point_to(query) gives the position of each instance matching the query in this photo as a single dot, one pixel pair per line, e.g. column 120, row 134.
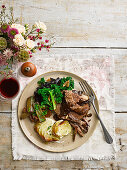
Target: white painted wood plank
column 78, row 23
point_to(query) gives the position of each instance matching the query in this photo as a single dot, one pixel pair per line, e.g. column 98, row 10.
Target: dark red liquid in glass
column 9, row 87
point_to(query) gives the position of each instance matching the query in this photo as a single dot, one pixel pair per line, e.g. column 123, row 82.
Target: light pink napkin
column 99, row 72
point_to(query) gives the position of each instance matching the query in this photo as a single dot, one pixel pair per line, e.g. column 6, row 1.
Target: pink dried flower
column 38, row 30
column 29, row 52
column 8, row 53
column 1, row 56
column 15, row 48
column 48, row 46
column 12, row 32
column 3, row 6
column 46, row 41
column 2, row 61
column 15, row 55
column 42, row 45
column 5, row 28
column 30, row 37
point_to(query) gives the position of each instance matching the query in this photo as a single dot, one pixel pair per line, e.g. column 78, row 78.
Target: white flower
column 8, row 53
column 29, row 43
column 20, row 28
column 41, row 26
column 18, row 40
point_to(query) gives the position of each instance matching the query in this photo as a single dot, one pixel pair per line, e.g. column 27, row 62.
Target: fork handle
column 108, row 138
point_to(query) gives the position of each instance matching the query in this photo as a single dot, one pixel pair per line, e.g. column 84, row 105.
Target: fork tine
column 83, row 88
column 88, row 87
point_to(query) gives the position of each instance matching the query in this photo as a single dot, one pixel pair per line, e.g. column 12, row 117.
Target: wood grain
column 77, row 23
column 120, row 71
column 6, row 161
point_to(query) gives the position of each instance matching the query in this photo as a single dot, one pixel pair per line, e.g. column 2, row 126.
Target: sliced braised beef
column 74, row 118
column 75, row 115
column 74, row 102
column 83, row 110
column 71, row 98
column 77, row 128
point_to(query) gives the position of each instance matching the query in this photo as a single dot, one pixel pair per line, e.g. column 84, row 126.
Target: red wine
column 9, row 87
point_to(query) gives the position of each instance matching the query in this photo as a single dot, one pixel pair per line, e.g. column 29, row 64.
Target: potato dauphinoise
column 49, row 130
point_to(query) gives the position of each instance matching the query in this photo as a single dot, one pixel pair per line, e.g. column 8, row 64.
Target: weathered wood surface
column 6, row 161
column 120, row 70
column 78, row 23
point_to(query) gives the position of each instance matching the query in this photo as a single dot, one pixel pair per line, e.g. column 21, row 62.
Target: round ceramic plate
column 66, row 143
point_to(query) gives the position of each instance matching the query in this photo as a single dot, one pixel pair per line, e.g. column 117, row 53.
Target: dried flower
column 5, row 28
column 20, row 28
column 3, row 6
column 29, row 43
column 18, row 40
column 15, row 48
column 29, row 52
column 12, row 32
column 3, row 43
column 38, row 30
column 8, row 53
column 46, row 41
column 1, row 32
column 42, row 45
column 41, row 26
column 23, row 55
column 2, row 60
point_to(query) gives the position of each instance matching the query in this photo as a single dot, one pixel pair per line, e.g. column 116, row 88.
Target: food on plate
column 44, row 130
column 74, row 102
column 68, row 107
column 30, row 104
column 49, row 130
column 24, row 114
column 74, row 108
column 61, row 128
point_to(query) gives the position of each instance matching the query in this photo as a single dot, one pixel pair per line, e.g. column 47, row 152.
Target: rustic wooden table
column 79, row 26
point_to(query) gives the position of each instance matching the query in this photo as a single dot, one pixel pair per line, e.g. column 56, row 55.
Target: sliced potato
column 61, row 128
column 44, row 129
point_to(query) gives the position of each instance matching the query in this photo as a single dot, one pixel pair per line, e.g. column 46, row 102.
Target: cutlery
column 86, row 88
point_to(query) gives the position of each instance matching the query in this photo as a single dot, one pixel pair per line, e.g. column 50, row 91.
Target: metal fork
column 86, row 88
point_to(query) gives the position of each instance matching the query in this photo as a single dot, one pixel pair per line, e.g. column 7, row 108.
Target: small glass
column 9, row 88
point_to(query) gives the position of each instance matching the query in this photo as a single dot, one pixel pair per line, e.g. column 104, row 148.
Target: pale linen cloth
column 99, row 72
